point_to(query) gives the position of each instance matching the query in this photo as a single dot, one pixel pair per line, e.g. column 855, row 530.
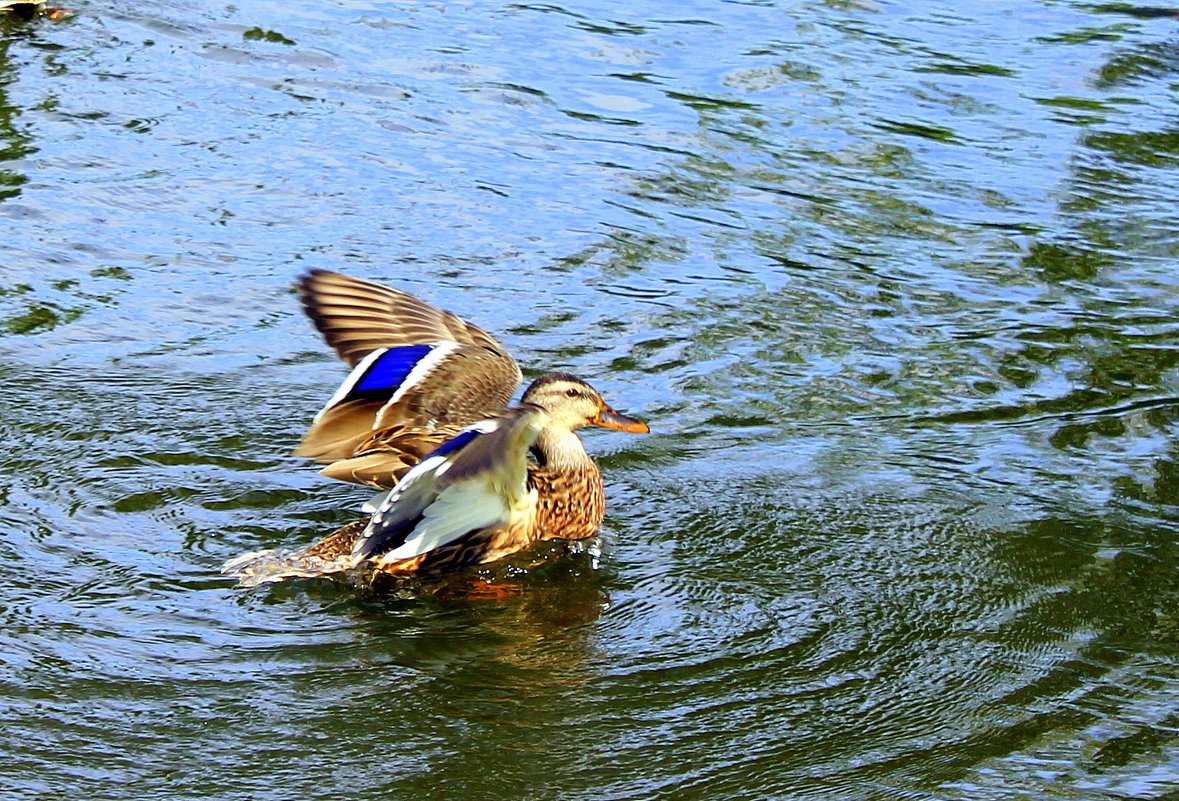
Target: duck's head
column 572, row 403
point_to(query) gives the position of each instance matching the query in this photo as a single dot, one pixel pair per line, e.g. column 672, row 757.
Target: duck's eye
column 571, row 392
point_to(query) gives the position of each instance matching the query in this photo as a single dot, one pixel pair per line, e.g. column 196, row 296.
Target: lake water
column 894, row 284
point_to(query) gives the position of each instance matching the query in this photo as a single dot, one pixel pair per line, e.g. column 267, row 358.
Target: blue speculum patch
column 454, row 443
column 391, row 369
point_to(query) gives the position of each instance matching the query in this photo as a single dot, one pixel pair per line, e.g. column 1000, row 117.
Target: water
column 895, row 287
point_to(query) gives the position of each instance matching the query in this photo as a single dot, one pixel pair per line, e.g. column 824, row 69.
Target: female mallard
column 423, row 415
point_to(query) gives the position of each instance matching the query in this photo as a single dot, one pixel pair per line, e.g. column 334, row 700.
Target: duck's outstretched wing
column 414, row 366
column 473, row 483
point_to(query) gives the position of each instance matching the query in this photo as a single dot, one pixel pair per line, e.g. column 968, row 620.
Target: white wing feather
column 351, row 381
column 451, row 509
column 462, row 507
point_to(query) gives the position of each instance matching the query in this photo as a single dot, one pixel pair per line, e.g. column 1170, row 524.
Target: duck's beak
column 608, row 418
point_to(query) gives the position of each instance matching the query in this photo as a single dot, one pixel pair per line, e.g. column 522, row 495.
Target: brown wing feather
column 357, row 317
column 340, row 431
column 382, row 458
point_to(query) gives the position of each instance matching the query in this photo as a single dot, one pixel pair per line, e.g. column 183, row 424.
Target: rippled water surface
column 895, row 284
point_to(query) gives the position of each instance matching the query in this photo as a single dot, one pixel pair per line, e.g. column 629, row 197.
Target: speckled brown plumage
column 570, row 504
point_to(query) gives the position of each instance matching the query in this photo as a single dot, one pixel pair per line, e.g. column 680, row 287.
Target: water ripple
column 894, row 286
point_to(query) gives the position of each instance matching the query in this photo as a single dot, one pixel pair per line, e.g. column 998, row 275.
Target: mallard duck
column 424, row 415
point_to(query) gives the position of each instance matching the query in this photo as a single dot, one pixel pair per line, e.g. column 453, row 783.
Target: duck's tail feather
column 261, row 567
column 331, row 555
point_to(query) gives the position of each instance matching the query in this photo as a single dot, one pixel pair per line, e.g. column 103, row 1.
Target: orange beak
column 608, row 418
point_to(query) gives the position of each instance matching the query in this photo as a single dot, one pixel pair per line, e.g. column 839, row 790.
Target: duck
column 465, row 478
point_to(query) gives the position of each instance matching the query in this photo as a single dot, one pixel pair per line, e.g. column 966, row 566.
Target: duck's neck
column 561, row 450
